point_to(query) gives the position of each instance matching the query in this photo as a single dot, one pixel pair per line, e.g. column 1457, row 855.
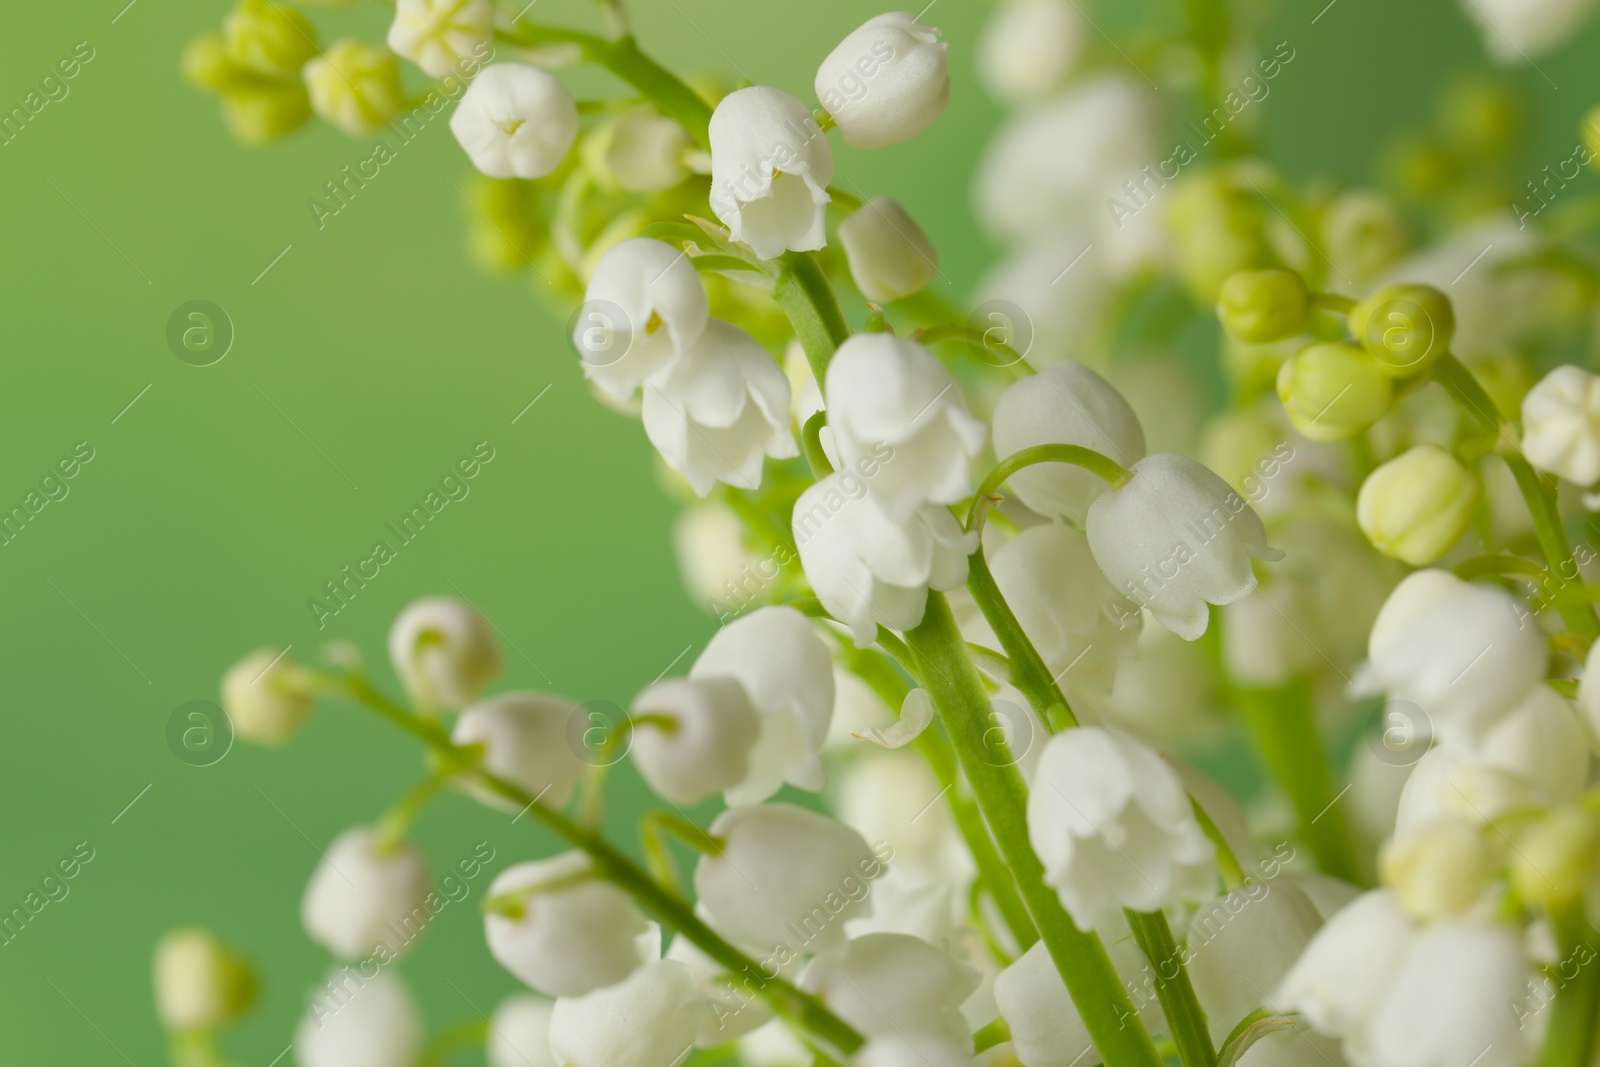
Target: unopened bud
column 1405, row 327
column 1333, row 390
column 1258, row 307
column 1416, row 507
column 200, row 983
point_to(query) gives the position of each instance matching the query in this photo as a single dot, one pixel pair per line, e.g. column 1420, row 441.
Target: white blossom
column 266, row 697
column 525, row 742
column 571, row 932
column 650, row 1019
column 362, row 898
column 1176, row 537
column 1519, row 31
column 888, row 984
column 1029, row 47
column 519, row 1033
column 1241, row 945
column 1064, row 404
column 360, row 1023
column 868, row 569
column 515, row 121
column 770, row 169
column 776, row 655
column 703, row 746
column 200, row 983
column 1344, row 975
column 734, row 1005
column 644, row 307
column 1113, row 827
column 646, row 152
column 886, row 82
column 717, row 412
column 890, row 257
column 440, row 35
column 918, row 1050
column 444, row 651
column 1561, row 425
column 884, row 390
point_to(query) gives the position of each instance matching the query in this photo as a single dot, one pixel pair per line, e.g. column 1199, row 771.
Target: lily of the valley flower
column 644, row 307
column 373, row 1024
column 266, row 697
column 363, row 899
column 570, row 933
column 524, row 736
column 770, row 169
column 444, row 652
column 1561, row 425
column 779, row 660
column 355, row 86
column 1241, row 945
column 694, row 737
column 515, row 121
column 1519, row 31
column 519, row 1033
column 720, row 410
column 890, row 257
column 889, row 984
column 1415, row 507
column 886, row 82
column 1029, row 47
column 1114, row 828
column 1341, row 979
column 886, row 390
column 650, row 1019
column 439, row 35
column 868, row 569
column 1176, row 537
column 1065, row 404
column 200, row 982
column 918, row 1050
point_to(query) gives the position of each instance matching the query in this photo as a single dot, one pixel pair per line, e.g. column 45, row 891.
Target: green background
column 372, row 355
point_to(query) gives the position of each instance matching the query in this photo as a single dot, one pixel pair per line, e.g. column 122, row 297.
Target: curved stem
column 1028, row 670
column 811, row 439
column 1108, row 470
column 1173, row 989
column 941, row 662
column 802, row 291
column 396, row 822
column 978, row 341
column 1233, row 875
column 1500, row 563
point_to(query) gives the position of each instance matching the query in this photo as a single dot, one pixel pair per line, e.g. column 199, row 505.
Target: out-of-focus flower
column 440, row 35
column 1519, row 31
column 519, row 1033
column 444, row 652
column 644, row 307
column 524, row 736
column 375, row 1024
column 890, row 257
column 267, row 697
column 366, row 896
column 515, row 121
column 888, row 984
column 1405, row 327
column 648, row 1019
column 200, row 983
column 268, row 39
column 644, row 152
column 770, row 169
column 886, row 82
column 1341, row 979
column 1440, row 870
column 1561, row 425
column 1363, row 235
column 1241, row 945
column 694, row 738
column 1029, row 47
column 355, row 86
column 1415, row 507
column 1259, row 307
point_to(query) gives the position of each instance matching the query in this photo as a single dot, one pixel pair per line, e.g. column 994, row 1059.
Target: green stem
column 999, row 353
column 1570, row 1041
column 1339, row 305
column 801, row 1009
column 1108, row 469
column 1174, row 990
column 1233, row 875
column 811, row 438
column 802, row 291
column 1500, row 563
column 942, row 664
column 666, row 90
column 1028, row 670
column 396, row 822
column 996, row 1033
column 1280, row 725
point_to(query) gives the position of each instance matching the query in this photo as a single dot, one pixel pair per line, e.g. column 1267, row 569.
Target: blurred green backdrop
column 367, row 359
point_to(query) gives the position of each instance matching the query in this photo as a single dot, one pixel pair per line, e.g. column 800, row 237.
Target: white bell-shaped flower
column 917, row 1050
column 1464, row 654
column 519, row 1033
column 1561, row 425
column 692, row 738
column 1241, row 945
column 889, row 796
column 1450, row 1001
column 770, row 169
column 1519, row 31
column 886, row 82
column 890, row 257
column 568, row 932
column 1174, row 538
column 515, row 121
column 360, row 1023
column 1078, row 622
column 1065, row 404
column 524, row 736
column 362, row 898
column 1029, row 47
column 720, row 410
column 784, row 875
column 1113, row 827
column 734, row 1003
column 644, row 307
column 650, row 1019
column 775, row 653
column 444, row 652
column 646, row 152
column 887, row 984
column 1449, row 781
column 443, row 37
column 884, row 390
column 869, row 569
column 1345, row 972
column 266, row 697
column 200, row 983
column 1446, row 869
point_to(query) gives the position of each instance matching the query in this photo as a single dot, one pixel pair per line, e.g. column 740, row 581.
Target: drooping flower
column 649, row 1019
column 444, row 652
column 515, row 121
column 692, row 738
column 920, row 1050
column 519, row 1033
column 1113, row 827
column 1343, row 976
column 889, row 984
column 360, row 1022
column 1240, row 946
column 1561, row 425
column 440, row 35
column 645, row 152
column 720, row 410
column 644, row 307
column 890, row 257
column 365, row 897
column 886, row 82
column 1519, row 31
column 770, row 169
column 524, row 736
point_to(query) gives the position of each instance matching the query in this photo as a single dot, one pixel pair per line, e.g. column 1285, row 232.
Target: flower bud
column 206, row 63
column 268, row 38
column 1405, row 327
column 886, row 82
column 1440, row 870
column 644, row 152
column 1218, row 230
column 200, row 983
column 356, row 1021
column 519, row 1033
column 355, row 86
column 363, row 898
column 444, row 652
column 1561, row 425
column 889, row 255
column 524, row 736
column 440, row 35
column 649, row 1019
column 1258, row 307
column 770, row 169
column 266, row 697
column 1555, row 857
column 1029, row 47
column 697, row 738
column 1363, row 236
column 515, row 121
column 1264, row 636
column 561, row 930
column 1333, row 390
column 260, row 113
column 1415, row 507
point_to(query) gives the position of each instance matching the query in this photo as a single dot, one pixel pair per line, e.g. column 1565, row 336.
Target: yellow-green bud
column 1416, row 507
column 1405, row 327
column 268, row 38
column 200, row 983
column 261, row 113
column 1218, row 230
column 1481, row 116
column 355, row 86
column 1258, row 307
column 1440, row 870
column 1333, row 390
column 1555, row 857
column 206, row 63
column 1363, row 235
